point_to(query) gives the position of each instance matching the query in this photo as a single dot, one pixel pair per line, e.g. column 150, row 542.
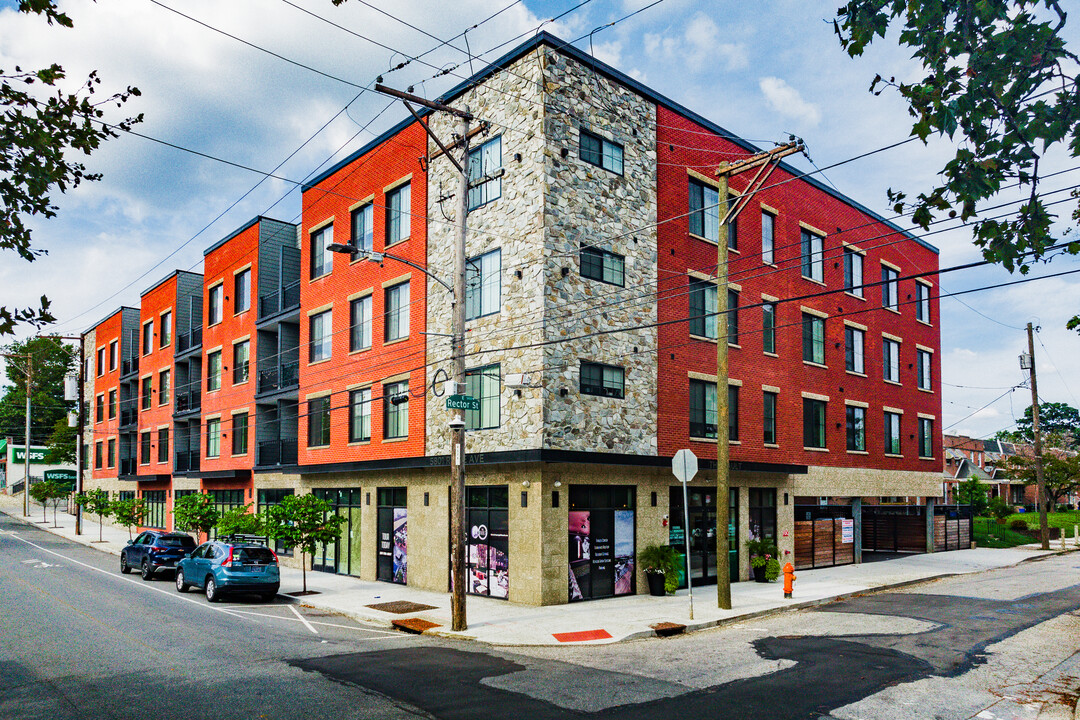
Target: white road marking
column 390, row 633
column 308, row 625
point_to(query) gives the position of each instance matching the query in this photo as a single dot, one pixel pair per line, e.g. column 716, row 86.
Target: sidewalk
column 498, row 622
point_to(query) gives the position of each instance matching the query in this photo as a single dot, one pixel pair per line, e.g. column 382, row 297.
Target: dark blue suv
column 230, row 567
column 155, row 550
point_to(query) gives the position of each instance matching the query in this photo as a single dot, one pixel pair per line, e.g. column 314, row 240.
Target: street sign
column 684, row 465
column 462, row 402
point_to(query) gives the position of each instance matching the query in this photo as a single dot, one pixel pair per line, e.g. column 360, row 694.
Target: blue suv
column 155, row 550
column 230, row 567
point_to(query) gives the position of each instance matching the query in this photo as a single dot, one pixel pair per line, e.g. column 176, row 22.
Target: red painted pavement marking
column 582, row 636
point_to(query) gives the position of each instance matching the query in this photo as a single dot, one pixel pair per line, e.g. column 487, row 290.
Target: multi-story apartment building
column 115, row 368
column 591, row 339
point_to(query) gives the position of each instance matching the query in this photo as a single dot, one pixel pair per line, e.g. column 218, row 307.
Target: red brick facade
column 106, row 381
column 158, row 305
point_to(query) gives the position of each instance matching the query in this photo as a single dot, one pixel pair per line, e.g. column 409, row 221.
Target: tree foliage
column 96, row 502
column 128, row 513
column 42, row 126
column 1059, row 424
column 1061, row 473
column 972, row 492
column 50, row 361
column 994, row 76
column 240, row 521
column 303, row 521
column 61, row 444
column 195, row 513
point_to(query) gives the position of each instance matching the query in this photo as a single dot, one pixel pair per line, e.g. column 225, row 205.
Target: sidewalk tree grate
column 401, row 607
column 582, row 636
column 415, row 626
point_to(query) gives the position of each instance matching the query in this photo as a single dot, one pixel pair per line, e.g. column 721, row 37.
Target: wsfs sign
column 37, row 455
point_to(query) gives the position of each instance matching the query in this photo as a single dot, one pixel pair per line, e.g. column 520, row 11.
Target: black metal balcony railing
column 129, row 365
column 189, row 401
column 187, row 340
column 281, row 377
column 187, row 461
column 281, row 299
column 276, row 452
column 128, row 416
column 127, row 466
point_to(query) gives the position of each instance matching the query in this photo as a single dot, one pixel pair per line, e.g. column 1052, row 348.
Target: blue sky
column 762, row 70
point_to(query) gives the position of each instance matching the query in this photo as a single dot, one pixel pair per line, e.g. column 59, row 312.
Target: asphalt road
column 80, row 640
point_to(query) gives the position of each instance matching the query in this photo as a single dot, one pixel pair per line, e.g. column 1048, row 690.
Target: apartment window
column 148, row 337
column 597, row 264
column 704, row 215
column 396, row 410
column 483, row 162
column 483, row 285
column 214, row 314
column 891, row 359
column 603, row 380
column 241, row 353
column 601, row 152
column 926, row 437
column 889, row 289
column 100, row 362
column 398, row 217
column 813, row 264
column 166, row 330
column 319, row 421
column 213, row 438
column 320, row 341
column 363, row 228
column 892, row 433
column 360, row 415
column 703, row 307
column 213, row 371
column 813, row 339
column 164, row 380
column 733, row 412
column 768, row 327
column 242, row 291
column 733, row 317
column 703, row 409
column 322, row 261
column 854, row 347
column 925, row 379
column 240, row 434
column 144, row 448
column 98, row 456
column 112, row 404
column 856, row 428
column 100, row 411
column 768, row 416
column 922, row 302
column 163, row 445
column 111, row 453
column 853, row 272
column 768, row 237
column 485, row 384
column 396, row 323
column 146, row 391
column 112, row 355
column 813, row 423
column 360, row 323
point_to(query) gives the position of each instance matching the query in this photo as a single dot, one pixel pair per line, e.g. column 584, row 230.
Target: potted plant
column 658, row 562
column 762, row 551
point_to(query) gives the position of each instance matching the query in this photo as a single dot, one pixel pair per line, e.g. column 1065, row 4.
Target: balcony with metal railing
column 187, row 461
column 276, row 452
column 188, row 340
column 187, row 401
column 279, row 377
column 129, row 366
column 128, row 467
column 128, row 415
column 280, row 300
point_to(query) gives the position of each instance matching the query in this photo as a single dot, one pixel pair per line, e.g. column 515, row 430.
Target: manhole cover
column 401, row 607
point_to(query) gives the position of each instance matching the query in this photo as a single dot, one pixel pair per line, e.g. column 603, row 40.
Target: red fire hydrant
column 789, row 579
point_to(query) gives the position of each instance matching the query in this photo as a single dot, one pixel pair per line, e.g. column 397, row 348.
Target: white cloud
column 786, row 101
column 696, row 47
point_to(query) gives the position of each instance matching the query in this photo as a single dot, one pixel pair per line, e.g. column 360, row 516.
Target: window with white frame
column 363, row 228
column 890, row 293
column 890, row 355
column 813, row 264
column 360, row 415
column 485, row 384
column 484, row 161
column 855, row 343
column 322, row 261
column 360, row 323
column 853, row 272
column 601, row 152
column 483, row 285
column 396, row 321
column 320, row 340
column 892, row 433
column 768, row 237
column 925, row 361
column 398, row 214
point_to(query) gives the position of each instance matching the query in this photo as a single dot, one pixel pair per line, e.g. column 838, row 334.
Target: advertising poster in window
column 580, row 554
column 624, row 552
column 401, row 545
column 489, row 558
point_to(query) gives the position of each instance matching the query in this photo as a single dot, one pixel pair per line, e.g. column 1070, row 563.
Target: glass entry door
column 393, row 529
column 702, row 512
column 343, row 555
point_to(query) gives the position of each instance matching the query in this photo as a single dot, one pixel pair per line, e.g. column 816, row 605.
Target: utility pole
column 80, row 399
column 765, row 162
column 458, row 536
column 1040, row 482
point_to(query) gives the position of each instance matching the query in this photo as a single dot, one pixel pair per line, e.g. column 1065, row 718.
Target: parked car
column 221, row 568
column 155, row 550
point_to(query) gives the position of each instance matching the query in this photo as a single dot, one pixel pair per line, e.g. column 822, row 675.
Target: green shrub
column 1019, row 525
column 772, row 569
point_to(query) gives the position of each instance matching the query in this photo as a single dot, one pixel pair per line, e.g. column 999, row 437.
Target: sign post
column 685, row 467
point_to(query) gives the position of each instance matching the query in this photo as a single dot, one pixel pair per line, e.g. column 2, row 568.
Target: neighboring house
column 591, row 284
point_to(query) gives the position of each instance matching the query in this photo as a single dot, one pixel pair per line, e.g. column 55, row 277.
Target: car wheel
column 147, row 573
column 181, row 586
column 212, row 592
column 124, row 567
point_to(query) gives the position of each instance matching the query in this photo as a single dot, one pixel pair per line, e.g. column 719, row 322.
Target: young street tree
column 240, row 521
column 129, row 513
column 96, row 502
column 972, row 492
column 303, row 521
column 41, row 491
column 41, row 126
column 995, row 78
column 195, row 513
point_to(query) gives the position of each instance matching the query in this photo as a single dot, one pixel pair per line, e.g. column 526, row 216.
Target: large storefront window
column 763, row 512
column 343, row 555
column 155, row 508
column 393, row 536
column 488, row 557
column 601, row 534
column 268, row 498
column 223, row 501
column 702, row 514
